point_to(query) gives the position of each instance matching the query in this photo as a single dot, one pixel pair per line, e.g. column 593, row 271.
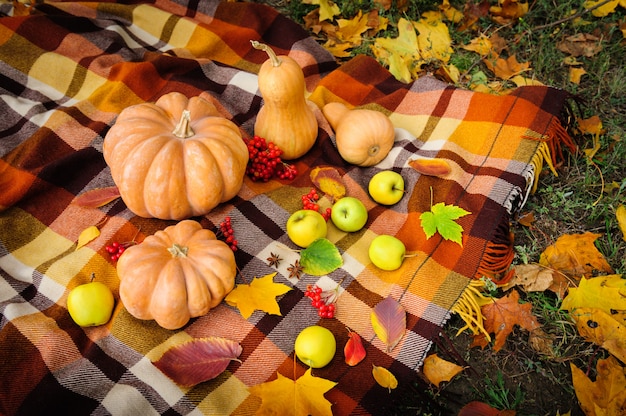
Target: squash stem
column 178, row 251
column 263, row 47
column 183, row 128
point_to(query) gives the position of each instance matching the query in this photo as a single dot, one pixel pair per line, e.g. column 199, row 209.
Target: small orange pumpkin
column 364, row 137
column 175, row 158
column 176, row 274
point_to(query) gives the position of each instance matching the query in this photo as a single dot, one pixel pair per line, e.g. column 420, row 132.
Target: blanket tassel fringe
column 496, row 263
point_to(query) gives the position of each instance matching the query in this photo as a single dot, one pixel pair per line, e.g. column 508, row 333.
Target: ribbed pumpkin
column 286, row 117
column 176, row 274
column 175, row 158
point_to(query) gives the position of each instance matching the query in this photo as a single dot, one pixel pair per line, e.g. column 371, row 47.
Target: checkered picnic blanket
column 68, row 69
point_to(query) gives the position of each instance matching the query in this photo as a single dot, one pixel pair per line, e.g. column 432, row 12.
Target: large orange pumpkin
column 175, row 158
column 176, row 274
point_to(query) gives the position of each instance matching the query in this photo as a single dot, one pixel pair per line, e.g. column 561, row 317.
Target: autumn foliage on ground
column 571, row 268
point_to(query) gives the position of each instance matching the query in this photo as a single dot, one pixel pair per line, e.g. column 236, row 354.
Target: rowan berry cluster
column 116, row 249
column 310, row 201
column 226, row 230
column 323, row 301
column 264, row 161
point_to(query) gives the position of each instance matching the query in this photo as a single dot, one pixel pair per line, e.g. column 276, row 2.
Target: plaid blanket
column 68, row 69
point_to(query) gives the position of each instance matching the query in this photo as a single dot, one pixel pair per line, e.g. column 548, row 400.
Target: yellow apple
column 305, row 226
column 349, row 214
column 386, row 187
column 387, row 252
column 315, row 346
column 90, row 304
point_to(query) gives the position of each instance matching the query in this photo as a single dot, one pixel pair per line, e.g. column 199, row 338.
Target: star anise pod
column 295, row 270
column 274, row 260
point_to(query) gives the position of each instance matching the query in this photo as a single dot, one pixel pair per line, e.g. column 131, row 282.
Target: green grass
column 582, row 198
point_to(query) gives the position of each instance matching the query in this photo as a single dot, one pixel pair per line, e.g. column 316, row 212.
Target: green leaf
column 441, row 218
column 320, row 257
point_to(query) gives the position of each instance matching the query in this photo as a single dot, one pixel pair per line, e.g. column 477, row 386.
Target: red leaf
column 97, row 197
column 198, row 360
column 354, row 350
column 483, row 409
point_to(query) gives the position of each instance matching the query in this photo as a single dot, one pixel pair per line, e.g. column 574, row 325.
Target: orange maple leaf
column 501, row 316
column 505, row 68
column 575, row 255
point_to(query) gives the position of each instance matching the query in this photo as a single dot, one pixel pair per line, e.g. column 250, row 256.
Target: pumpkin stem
column 263, row 47
column 183, row 129
column 178, row 251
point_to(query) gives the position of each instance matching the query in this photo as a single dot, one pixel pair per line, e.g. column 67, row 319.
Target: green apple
column 90, row 304
column 315, row 346
column 349, row 214
column 305, row 226
column 386, row 187
column 387, row 252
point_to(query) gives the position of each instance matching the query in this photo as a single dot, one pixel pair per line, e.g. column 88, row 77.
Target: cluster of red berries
column 325, row 305
column 310, row 201
column 116, row 249
column 226, row 230
column 265, row 162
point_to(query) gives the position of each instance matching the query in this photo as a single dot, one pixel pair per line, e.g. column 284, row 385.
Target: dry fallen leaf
column 476, row 408
column 328, row 180
column 575, row 74
column 599, row 327
column 286, row 397
column 575, row 255
column 502, row 315
column 431, row 166
column 531, row 278
column 437, row 369
column 607, row 293
column 620, row 214
column 384, row 378
column 389, row 321
column 353, row 351
column 88, row 234
column 97, row 197
column 607, row 394
column 198, row 360
column 581, row 44
column 260, row 294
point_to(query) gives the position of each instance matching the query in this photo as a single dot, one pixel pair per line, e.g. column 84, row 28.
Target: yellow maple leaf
column 599, row 327
column 607, row 293
column 607, row 394
column 452, row 14
column 260, row 294
column 401, row 54
column 351, row 30
column 302, row 397
column 328, row 9
column 434, row 39
column 338, row 49
column 481, row 45
column 436, row 369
